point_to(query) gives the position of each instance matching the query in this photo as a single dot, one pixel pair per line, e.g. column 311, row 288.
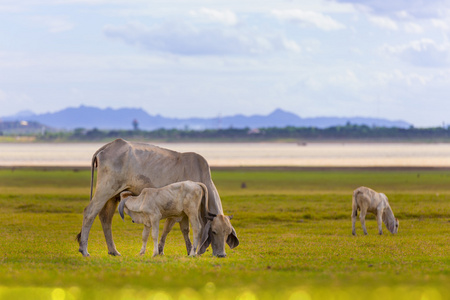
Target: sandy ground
column 247, row 155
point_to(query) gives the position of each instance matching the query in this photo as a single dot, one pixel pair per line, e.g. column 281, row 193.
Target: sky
column 200, row 58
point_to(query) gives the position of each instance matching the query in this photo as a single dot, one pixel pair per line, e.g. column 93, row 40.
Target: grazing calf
column 367, row 200
column 179, row 200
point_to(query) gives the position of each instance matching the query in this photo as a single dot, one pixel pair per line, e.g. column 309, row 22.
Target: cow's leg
column 145, row 234
column 155, row 233
column 168, row 225
column 379, row 221
column 90, row 212
column 105, row 216
column 362, row 218
column 184, row 226
column 197, row 232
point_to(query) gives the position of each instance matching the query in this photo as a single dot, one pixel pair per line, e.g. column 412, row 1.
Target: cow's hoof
column 115, row 253
column 84, row 252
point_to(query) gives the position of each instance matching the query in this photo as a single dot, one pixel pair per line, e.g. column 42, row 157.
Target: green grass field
column 295, row 241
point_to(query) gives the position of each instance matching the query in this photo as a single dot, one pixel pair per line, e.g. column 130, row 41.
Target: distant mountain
column 92, row 117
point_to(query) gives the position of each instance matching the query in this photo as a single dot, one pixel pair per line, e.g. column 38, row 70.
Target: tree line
column 346, row 132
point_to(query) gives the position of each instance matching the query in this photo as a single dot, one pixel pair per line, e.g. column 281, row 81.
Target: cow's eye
column 214, row 232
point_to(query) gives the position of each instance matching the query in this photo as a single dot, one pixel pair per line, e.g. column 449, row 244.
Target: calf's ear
column 232, row 239
column 125, row 194
column 121, row 205
column 133, row 204
column 205, row 240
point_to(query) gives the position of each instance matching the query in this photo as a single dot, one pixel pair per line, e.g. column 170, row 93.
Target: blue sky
column 387, row 59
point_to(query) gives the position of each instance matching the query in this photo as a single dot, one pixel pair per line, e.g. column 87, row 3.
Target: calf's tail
column 354, row 203
column 205, row 195
column 204, row 209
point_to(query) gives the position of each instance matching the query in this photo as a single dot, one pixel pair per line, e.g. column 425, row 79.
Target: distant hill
column 91, row 117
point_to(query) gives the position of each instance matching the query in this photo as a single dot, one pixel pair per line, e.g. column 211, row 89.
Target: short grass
column 294, row 229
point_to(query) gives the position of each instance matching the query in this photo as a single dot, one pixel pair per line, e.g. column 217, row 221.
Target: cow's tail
column 94, row 163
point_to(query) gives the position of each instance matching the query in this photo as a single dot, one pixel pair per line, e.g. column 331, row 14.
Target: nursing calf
column 181, row 200
column 367, row 200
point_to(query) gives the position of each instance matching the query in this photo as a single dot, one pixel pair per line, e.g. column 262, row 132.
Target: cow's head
column 217, row 232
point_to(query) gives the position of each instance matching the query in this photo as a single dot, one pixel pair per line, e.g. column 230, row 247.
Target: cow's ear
column 210, row 216
column 232, row 239
column 205, row 240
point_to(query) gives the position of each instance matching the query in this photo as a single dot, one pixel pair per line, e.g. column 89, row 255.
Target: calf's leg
column 184, row 226
column 362, row 218
column 354, row 214
column 197, row 232
column 145, row 234
column 168, row 225
column 379, row 222
column 155, row 233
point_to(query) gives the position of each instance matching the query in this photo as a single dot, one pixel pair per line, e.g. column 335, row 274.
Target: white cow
column 123, row 165
column 177, row 200
column 367, row 200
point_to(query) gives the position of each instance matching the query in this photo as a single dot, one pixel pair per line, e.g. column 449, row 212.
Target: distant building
column 254, row 131
column 135, row 124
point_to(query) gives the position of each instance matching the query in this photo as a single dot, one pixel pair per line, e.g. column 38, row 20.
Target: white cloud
column 411, row 27
column 10, row 8
column 54, row 24
column 318, row 20
column 345, row 78
column 2, row 96
column 441, row 24
column 401, row 8
column 424, row 52
column 398, row 77
column 383, row 22
column 187, row 39
column 226, row 17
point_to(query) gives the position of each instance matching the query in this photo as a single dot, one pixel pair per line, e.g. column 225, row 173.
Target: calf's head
column 397, row 223
column 123, row 198
column 217, row 232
